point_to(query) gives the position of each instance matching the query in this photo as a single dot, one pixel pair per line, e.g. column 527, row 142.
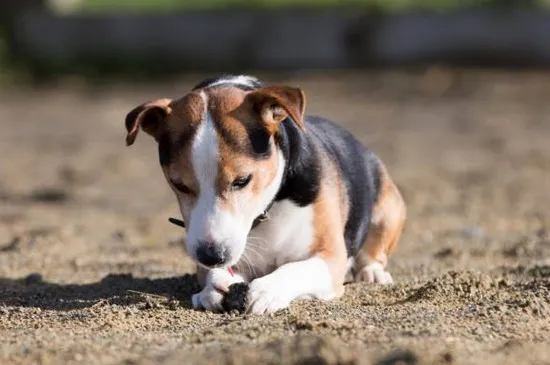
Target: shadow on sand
column 120, row 289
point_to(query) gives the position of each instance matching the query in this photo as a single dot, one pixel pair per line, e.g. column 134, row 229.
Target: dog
column 290, row 203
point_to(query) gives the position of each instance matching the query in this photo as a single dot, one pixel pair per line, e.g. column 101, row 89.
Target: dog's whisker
column 257, row 254
column 257, row 244
column 256, row 248
column 251, row 269
column 238, row 267
column 257, row 258
column 257, row 237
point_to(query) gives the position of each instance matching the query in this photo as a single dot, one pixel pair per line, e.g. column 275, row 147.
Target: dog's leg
column 388, row 218
column 310, row 278
column 320, row 276
column 215, row 283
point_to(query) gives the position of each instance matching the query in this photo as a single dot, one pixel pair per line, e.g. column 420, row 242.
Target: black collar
column 262, row 217
column 259, row 219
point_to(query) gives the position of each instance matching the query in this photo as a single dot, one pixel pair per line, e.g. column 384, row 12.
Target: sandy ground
column 91, row 271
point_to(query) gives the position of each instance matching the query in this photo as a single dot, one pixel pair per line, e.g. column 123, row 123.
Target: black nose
column 210, row 254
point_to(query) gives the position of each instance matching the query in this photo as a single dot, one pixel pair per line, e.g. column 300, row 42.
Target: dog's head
column 219, row 154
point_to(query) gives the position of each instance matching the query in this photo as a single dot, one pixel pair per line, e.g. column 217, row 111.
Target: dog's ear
column 276, row 103
column 149, row 116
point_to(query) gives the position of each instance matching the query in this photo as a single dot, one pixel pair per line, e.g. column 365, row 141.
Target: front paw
column 217, row 285
column 209, row 298
column 267, row 296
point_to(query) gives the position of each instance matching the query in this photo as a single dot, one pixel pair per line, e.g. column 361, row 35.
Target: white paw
column 209, row 298
column 267, row 296
column 217, row 284
column 374, row 273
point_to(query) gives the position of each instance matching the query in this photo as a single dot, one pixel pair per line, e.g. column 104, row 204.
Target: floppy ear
column 276, row 103
column 149, row 116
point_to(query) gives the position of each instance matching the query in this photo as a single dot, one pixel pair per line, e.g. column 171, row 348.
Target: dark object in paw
column 235, row 299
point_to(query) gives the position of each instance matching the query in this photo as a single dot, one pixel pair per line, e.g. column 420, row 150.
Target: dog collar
column 262, row 217
column 259, row 219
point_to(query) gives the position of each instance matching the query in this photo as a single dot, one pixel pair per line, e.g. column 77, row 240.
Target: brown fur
column 276, row 103
column 329, row 216
column 147, row 116
column 387, row 223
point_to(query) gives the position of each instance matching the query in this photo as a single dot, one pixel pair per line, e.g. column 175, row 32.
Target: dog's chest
column 285, row 237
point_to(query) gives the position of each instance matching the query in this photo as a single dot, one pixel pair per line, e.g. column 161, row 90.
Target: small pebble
column 173, row 305
column 473, row 232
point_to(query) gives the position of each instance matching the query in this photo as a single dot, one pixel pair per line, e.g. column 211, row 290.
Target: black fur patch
column 165, row 150
column 259, row 141
column 257, row 144
column 302, row 175
column 168, row 146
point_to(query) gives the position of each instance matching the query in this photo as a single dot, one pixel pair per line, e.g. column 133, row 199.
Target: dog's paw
column 217, row 285
column 209, row 298
column 266, row 296
column 374, row 273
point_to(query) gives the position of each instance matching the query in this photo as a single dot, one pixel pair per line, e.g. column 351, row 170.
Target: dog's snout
column 210, row 254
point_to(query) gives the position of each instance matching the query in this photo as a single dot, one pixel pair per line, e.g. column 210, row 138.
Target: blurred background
column 45, row 38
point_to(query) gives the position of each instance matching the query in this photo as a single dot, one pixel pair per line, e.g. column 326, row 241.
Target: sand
column 92, row 272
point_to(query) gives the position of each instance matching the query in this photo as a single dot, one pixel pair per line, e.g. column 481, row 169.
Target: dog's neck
column 262, row 217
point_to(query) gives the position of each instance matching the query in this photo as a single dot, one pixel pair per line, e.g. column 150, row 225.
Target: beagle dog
column 292, row 204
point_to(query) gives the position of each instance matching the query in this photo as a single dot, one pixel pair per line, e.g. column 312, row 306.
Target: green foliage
column 384, row 5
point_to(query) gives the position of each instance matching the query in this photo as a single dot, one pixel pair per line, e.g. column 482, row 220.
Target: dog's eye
column 182, row 188
column 241, row 182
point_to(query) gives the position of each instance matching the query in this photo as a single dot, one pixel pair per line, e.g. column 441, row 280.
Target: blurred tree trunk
column 10, row 8
column 9, row 11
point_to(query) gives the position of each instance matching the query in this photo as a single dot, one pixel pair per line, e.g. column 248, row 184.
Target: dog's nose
column 210, row 254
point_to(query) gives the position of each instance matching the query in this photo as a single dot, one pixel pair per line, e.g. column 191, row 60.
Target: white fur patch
column 374, row 272
column 287, row 236
column 244, row 80
column 302, row 279
column 204, row 159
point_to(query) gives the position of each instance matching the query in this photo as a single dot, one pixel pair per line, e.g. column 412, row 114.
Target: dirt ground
column 92, row 272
